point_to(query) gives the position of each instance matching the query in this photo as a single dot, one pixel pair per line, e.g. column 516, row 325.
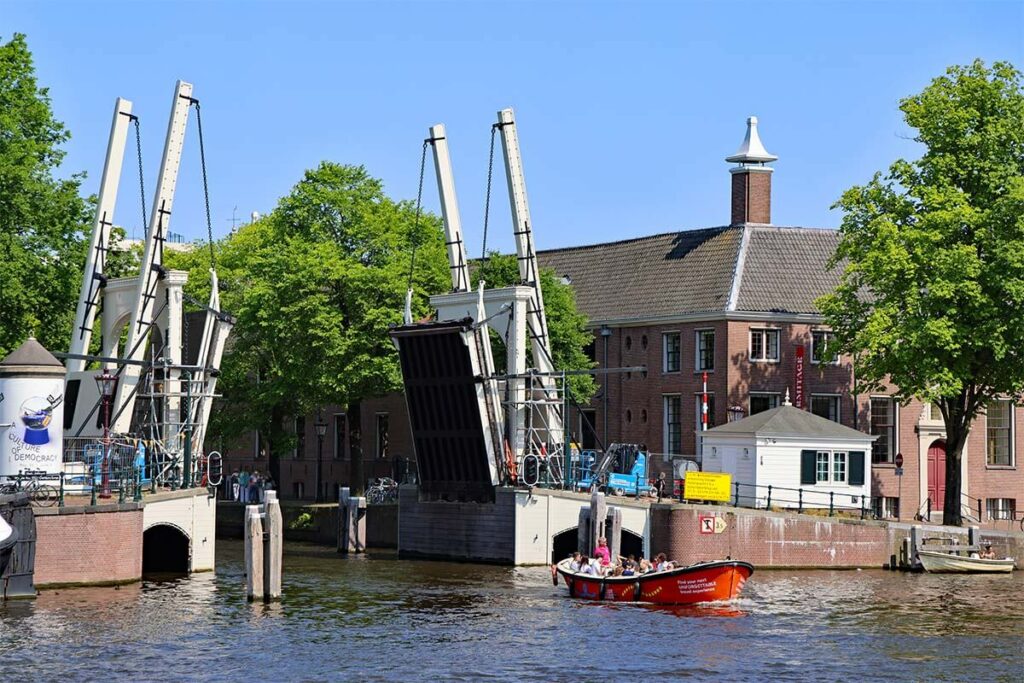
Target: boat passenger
column 645, row 565
column 661, row 563
column 585, row 566
column 618, row 570
column 988, row 554
column 574, row 565
column 602, row 553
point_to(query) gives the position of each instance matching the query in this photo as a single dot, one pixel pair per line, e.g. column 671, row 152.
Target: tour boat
column 715, row 581
column 949, row 562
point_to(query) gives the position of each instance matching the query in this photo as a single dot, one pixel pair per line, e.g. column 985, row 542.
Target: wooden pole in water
column 273, row 547
column 254, row 589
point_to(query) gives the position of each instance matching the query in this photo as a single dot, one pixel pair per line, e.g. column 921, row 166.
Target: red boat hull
column 706, row 582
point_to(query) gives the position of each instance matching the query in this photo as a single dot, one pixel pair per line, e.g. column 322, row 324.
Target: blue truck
column 619, row 471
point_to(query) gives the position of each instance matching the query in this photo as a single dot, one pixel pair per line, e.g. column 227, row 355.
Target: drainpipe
column 606, row 332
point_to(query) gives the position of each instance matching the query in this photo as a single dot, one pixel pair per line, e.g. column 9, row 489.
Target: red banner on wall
column 798, row 393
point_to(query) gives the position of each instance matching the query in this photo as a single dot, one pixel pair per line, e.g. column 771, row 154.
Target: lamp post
column 321, row 430
column 107, row 384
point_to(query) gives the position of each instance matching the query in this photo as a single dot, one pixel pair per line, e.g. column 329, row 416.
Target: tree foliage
column 314, row 286
column 567, row 326
column 42, row 217
column 932, row 291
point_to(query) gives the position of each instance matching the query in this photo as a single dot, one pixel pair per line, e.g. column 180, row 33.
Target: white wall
column 195, row 513
column 542, row 515
column 778, row 464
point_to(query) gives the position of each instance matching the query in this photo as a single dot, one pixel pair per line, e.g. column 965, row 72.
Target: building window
column 999, row 419
column 673, row 424
column 705, row 350
column 826, row 406
column 760, row 402
column 883, row 425
column 932, row 412
column 382, row 435
column 340, row 434
column 839, row 468
column 643, row 341
column 711, row 410
column 298, row 490
column 300, row 437
column 1001, row 508
column 764, row 345
column 629, row 416
column 629, row 343
column 886, row 507
column 671, row 345
column 821, row 468
column 819, row 340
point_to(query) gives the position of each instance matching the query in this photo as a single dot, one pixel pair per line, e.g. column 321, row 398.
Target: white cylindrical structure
column 31, row 411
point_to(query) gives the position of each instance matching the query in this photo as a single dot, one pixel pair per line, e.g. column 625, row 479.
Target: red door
column 937, row 473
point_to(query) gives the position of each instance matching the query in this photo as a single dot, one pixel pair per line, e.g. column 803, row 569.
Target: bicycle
column 385, row 490
column 31, row 483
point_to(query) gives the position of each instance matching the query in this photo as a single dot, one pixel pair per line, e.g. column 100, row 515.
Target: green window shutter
column 807, row 475
column 857, row 468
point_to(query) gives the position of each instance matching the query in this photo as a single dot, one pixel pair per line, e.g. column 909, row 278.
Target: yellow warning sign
column 707, row 486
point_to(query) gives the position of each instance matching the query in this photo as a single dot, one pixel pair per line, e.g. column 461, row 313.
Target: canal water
column 379, row 618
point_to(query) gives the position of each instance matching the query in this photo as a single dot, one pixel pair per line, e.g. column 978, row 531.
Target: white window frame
column 772, row 394
column 711, row 409
column 894, row 445
column 664, row 352
column 1011, row 437
column 339, row 449
column 666, row 437
column 376, row 431
column 300, row 437
column 997, row 508
column 831, row 462
column 696, row 349
column 886, row 507
column 764, row 333
column 827, row 334
column 839, row 405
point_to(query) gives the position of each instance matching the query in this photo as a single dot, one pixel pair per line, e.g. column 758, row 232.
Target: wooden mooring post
column 264, row 536
column 351, row 522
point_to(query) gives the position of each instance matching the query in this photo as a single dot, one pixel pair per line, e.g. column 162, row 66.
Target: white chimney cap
column 751, row 150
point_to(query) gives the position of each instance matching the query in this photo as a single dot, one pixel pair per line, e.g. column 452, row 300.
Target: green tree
column 314, row 286
column 932, row 289
column 567, row 326
column 42, row 217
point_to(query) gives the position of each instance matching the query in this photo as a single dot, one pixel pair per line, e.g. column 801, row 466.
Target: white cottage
column 790, row 458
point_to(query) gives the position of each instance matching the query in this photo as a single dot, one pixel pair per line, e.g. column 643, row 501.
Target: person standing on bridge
column 243, row 486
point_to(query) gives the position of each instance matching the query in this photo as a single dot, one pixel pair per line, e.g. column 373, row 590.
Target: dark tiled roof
column 788, row 420
column 783, row 270
column 786, row 269
column 672, row 273
column 31, row 354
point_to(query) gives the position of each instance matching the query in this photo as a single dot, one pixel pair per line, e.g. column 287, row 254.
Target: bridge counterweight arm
column 450, row 210
column 96, row 260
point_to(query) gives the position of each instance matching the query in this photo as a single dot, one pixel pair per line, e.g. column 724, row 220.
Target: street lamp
column 107, row 384
column 321, row 430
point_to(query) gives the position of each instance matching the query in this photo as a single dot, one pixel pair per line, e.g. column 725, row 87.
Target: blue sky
column 625, row 111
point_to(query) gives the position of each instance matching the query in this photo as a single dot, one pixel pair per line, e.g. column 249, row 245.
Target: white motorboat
column 950, row 561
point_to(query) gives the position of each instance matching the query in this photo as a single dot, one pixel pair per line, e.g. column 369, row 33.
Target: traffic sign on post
column 899, row 460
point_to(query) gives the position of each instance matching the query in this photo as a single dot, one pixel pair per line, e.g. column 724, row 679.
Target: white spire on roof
column 752, row 150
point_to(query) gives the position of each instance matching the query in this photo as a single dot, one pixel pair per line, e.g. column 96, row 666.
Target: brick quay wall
column 788, row 540
column 101, row 547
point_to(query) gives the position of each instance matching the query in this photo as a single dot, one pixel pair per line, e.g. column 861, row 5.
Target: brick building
column 737, row 302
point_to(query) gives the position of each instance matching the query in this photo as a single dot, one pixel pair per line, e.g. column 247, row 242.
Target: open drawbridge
column 474, row 429
column 165, row 362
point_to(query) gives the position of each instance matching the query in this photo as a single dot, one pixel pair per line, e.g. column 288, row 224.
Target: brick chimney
column 751, row 179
